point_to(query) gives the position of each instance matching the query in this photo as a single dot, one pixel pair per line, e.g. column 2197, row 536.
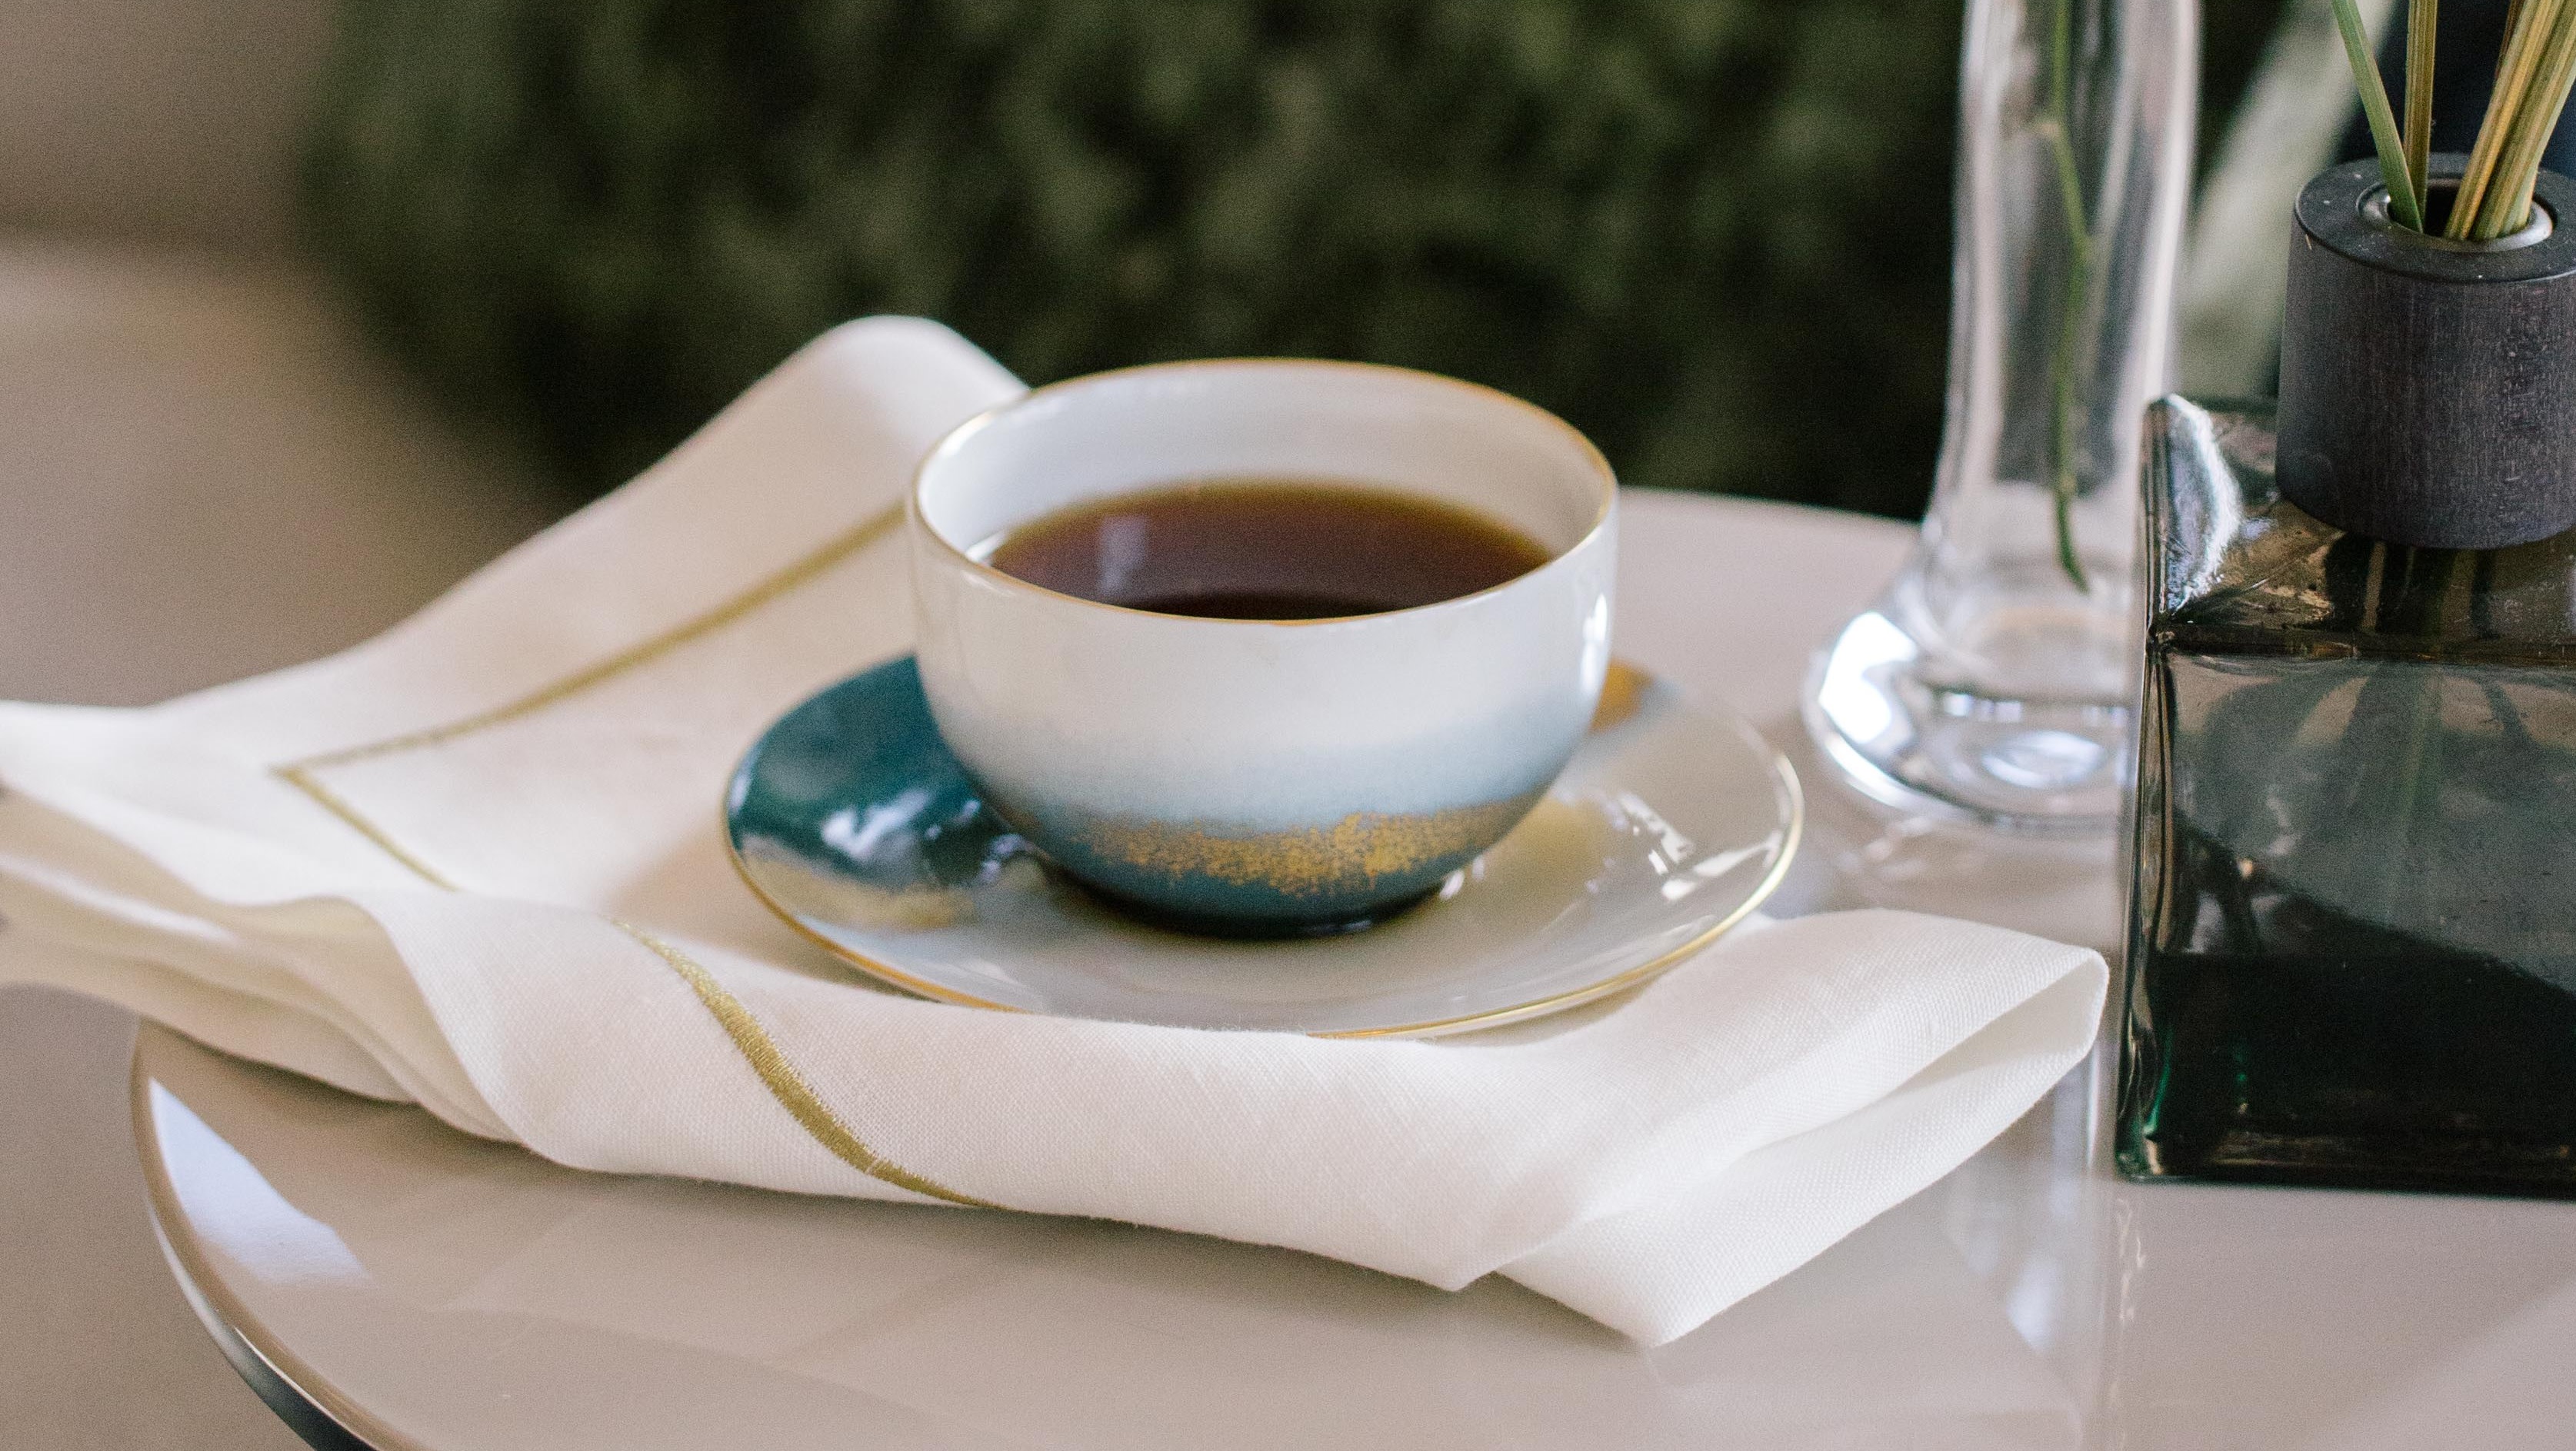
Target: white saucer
column 1673, row 822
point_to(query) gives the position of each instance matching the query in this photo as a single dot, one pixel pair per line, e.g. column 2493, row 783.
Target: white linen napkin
column 475, row 864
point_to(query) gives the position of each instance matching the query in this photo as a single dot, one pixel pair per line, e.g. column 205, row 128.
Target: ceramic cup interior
column 1253, row 776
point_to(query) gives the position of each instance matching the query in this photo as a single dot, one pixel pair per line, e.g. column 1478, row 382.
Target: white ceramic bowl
column 1247, row 775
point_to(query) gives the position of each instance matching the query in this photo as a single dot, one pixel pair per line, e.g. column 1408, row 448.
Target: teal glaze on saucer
column 855, row 788
column 851, row 820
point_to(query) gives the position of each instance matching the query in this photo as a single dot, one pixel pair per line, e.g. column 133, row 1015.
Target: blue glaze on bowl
column 856, row 786
column 1242, row 883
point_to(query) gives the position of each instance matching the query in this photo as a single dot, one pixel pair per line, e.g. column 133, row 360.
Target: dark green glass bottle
column 2352, row 949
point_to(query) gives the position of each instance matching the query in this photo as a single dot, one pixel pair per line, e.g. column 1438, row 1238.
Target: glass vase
column 1994, row 678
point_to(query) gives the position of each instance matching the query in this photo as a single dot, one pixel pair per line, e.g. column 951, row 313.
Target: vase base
column 2014, row 763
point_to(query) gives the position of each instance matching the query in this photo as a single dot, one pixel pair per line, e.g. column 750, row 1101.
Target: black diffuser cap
column 2428, row 387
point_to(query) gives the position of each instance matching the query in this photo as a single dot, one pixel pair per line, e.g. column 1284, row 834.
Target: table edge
column 325, row 1421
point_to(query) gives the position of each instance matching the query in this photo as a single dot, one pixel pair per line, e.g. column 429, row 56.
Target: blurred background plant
column 1712, row 233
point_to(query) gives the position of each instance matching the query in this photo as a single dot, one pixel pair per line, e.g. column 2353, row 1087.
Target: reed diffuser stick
column 2532, row 79
column 2420, row 16
column 2514, row 76
column 2403, row 202
column 2508, row 202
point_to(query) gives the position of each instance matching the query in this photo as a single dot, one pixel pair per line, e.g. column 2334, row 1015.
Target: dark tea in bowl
column 1263, row 647
column 1265, row 549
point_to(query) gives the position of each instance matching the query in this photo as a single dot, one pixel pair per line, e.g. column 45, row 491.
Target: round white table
column 386, row 1282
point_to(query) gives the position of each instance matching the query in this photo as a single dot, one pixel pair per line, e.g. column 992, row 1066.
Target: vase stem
column 1994, row 677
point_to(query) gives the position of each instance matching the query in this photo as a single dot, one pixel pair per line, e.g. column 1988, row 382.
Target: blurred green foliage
column 1712, row 233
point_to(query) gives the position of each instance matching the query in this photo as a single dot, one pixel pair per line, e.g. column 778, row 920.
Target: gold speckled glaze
column 1352, row 857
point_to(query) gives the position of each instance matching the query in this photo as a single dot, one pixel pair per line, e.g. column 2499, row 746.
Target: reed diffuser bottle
column 2353, row 925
